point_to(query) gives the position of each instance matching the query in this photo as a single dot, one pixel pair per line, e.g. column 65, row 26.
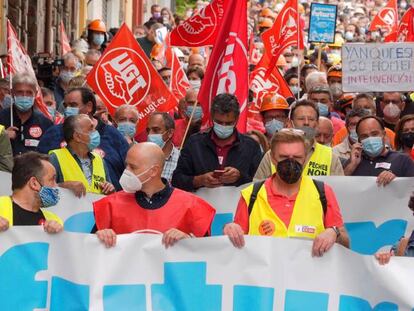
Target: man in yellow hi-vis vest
column 320, row 160
column 34, row 188
column 78, row 168
column 289, row 204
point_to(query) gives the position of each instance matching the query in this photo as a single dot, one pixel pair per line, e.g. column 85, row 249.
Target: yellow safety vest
column 72, row 172
column 6, row 211
column 319, row 163
column 1, row 129
column 307, row 216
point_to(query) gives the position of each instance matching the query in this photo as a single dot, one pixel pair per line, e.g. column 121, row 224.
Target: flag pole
column 299, row 54
column 10, row 71
column 188, row 125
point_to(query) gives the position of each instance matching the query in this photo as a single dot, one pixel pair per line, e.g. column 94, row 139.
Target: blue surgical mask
column 94, row 140
column 49, row 196
column 368, row 111
column 323, row 109
column 156, row 139
column 295, row 89
column 310, row 132
column 127, row 129
column 156, row 15
column 52, row 111
column 273, row 126
column 373, row 146
column 198, row 112
column 98, row 38
column 353, row 135
column 223, row 131
column 23, row 103
column 65, row 76
column 71, row 111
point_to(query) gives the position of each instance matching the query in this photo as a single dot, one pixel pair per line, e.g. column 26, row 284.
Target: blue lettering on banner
column 124, row 297
column 247, row 298
column 296, row 300
column 68, row 296
column 185, row 289
column 18, row 267
column 81, row 222
column 218, row 223
column 350, row 303
column 367, row 239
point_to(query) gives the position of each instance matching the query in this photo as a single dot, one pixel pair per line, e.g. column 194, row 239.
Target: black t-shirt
column 22, row 217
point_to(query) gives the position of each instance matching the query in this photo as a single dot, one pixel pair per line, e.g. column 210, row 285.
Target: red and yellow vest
column 6, row 211
column 319, row 163
column 72, row 172
column 307, row 216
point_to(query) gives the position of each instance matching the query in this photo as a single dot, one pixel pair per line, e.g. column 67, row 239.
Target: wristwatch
column 335, row 228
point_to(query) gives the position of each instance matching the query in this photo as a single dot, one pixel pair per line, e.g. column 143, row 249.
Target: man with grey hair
column 126, row 118
column 221, row 156
column 28, row 125
column 315, row 79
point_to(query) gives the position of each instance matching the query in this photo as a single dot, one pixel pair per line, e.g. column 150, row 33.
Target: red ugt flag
column 179, row 82
column 283, row 33
column 202, row 28
column 406, row 28
column 227, row 70
column 18, row 61
column 387, row 19
column 125, row 75
column 64, row 41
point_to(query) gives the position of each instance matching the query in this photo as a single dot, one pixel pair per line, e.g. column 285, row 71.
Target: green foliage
column 182, row 5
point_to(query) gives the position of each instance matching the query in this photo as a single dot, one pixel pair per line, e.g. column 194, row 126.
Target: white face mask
column 195, row 84
column 130, row 182
column 392, row 111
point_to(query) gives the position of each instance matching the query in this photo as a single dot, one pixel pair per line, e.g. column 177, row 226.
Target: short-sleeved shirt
column 29, row 133
column 283, row 207
column 398, row 163
column 22, row 217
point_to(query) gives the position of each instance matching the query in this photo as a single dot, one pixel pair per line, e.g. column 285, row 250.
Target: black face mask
column 408, row 139
column 289, row 170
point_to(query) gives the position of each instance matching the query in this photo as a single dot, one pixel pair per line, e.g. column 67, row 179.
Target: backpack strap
column 402, row 246
column 320, row 186
column 253, row 196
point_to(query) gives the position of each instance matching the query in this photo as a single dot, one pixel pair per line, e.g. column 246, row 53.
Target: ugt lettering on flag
column 124, row 75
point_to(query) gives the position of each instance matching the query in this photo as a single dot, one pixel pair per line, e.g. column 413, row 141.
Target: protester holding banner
column 304, row 115
column 149, row 204
column 220, row 156
column 289, row 204
column 25, row 125
column 34, row 188
column 371, row 157
column 77, row 167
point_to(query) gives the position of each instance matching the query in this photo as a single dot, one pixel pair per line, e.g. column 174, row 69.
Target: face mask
column 273, row 126
column 223, row 131
column 127, row 129
column 184, row 65
column 71, row 111
column 52, row 111
column 94, row 140
column 323, row 110
column 156, row 15
column 353, row 135
column 98, row 39
column 131, row 183
column 198, row 112
column 295, row 90
column 295, row 61
column 49, row 196
column 66, row 76
column 310, row 132
column 24, row 103
column 7, row 101
column 403, row 5
column 289, row 170
column 156, row 139
column 368, row 111
column 349, row 36
column 373, row 146
column 336, row 89
column 391, row 111
column 408, row 139
column 195, row 84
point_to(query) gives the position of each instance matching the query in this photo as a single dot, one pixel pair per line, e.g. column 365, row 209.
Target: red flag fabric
column 201, row 29
column 18, row 61
column 283, row 33
column 179, row 82
column 387, row 19
column 64, row 41
column 227, row 70
column 125, row 75
column 406, row 28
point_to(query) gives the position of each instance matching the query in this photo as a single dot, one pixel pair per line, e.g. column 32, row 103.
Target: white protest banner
column 378, row 67
column 375, row 217
column 71, row 271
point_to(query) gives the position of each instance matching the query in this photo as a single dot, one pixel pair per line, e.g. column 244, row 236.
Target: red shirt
column 283, row 207
column 222, row 149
